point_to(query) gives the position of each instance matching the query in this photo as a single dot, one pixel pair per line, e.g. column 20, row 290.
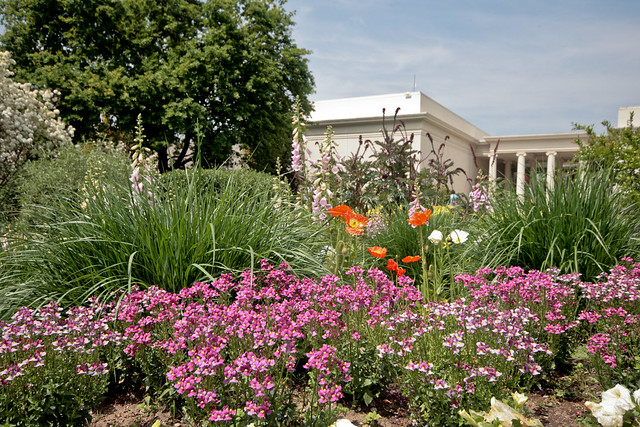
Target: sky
column 507, row 66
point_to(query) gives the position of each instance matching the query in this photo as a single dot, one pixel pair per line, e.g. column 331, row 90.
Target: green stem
column 436, row 277
column 451, row 285
column 425, row 278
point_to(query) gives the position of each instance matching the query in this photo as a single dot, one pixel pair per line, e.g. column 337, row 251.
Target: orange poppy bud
column 400, row 271
column 408, row 259
column 377, row 251
column 392, row 265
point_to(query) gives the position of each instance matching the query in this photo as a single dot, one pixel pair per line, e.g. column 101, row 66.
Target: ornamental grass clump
column 583, row 226
column 181, row 234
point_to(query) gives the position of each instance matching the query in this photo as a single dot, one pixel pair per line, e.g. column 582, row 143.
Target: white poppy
column 435, row 237
column 459, row 236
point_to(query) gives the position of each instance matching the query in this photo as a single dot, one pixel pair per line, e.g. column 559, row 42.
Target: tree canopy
column 203, row 75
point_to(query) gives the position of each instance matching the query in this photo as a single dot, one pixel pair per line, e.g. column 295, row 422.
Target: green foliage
column 370, row 374
column 179, row 235
column 356, row 185
column 616, row 150
column 584, row 226
column 228, row 69
column 44, row 183
column 61, row 398
column 385, row 172
column 216, row 180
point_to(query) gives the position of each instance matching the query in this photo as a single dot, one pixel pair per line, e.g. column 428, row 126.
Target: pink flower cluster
column 479, row 198
column 612, row 314
column 34, row 338
column 238, row 340
column 325, row 361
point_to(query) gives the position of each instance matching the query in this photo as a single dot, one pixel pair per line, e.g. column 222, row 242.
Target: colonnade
column 520, row 170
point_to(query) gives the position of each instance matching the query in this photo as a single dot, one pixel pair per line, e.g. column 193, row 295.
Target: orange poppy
column 392, row 265
column 355, row 223
column 419, row 217
column 341, row 210
column 377, row 251
column 400, row 271
column 411, row 258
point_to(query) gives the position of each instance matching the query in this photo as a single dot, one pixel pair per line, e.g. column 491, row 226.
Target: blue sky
column 507, row 66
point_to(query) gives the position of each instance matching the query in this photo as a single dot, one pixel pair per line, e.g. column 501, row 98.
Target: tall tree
column 204, row 75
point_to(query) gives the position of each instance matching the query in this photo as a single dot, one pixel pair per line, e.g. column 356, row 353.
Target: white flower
column 435, row 236
column 519, row 398
column 607, row 416
column 620, row 397
column 636, row 396
column 615, row 403
column 459, row 236
column 506, row 414
column 342, row 423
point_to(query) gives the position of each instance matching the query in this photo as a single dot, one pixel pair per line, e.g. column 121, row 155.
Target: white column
column 520, row 176
column 507, row 173
column 551, row 169
column 493, row 167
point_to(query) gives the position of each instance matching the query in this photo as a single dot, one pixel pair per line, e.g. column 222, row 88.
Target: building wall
column 352, row 117
column 624, row 116
column 469, row 147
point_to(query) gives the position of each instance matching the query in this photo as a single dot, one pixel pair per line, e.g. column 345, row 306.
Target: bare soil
column 558, row 402
column 128, row 411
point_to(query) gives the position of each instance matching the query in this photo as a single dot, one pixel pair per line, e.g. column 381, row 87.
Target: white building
column 507, row 156
column 624, row 116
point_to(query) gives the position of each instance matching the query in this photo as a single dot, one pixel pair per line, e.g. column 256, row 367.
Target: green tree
column 618, row 150
column 221, row 72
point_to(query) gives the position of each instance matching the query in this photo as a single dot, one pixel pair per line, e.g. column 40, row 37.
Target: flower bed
column 269, row 347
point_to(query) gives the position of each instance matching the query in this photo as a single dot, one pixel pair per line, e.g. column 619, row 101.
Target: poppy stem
column 425, row 278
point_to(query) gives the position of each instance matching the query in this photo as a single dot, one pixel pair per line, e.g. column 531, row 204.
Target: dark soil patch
column 557, row 402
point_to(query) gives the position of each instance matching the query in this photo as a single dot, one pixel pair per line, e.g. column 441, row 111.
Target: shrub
column 179, row 235
column 29, row 124
column 45, row 183
column 583, row 226
column 615, row 150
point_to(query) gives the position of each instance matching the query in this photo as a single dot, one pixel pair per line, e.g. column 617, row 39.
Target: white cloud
column 508, row 70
